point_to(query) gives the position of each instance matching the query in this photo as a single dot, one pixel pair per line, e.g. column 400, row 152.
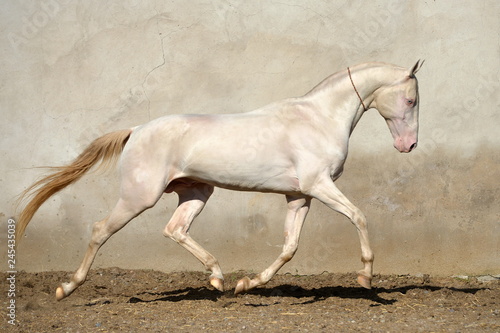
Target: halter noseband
column 356, row 90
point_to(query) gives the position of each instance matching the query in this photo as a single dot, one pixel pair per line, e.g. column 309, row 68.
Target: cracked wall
column 73, row 70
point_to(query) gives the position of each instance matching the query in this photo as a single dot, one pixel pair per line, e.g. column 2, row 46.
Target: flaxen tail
column 107, row 148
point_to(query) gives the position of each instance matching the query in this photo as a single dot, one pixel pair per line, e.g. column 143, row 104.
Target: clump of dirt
column 144, row 300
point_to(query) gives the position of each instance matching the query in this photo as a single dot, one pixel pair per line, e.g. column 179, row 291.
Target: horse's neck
column 369, row 77
column 339, row 97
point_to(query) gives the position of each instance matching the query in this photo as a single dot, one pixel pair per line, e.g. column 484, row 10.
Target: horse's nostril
column 413, row 146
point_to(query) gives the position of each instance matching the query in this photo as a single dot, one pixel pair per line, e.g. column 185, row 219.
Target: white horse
column 296, row 147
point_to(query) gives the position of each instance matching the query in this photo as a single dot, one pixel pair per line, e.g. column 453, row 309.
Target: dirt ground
column 115, row 300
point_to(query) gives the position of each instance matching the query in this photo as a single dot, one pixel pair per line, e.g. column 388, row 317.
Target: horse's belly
column 246, row 177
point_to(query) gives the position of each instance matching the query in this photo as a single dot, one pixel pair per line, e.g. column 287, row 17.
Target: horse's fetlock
column 287, row 256
column 289, row 251
column 211, row 262
column 367, row 258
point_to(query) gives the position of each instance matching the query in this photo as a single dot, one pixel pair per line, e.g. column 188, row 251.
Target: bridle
column 356, row 90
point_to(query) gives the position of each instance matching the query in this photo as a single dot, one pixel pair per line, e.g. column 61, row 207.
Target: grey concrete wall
column 73, row 70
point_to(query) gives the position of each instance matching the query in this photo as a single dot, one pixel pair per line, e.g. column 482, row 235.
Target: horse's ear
column 416, row 68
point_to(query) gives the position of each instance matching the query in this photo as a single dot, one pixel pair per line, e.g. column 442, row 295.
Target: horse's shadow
column 302, row 295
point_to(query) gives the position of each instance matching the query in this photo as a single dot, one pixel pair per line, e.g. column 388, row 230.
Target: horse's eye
column 410, row 101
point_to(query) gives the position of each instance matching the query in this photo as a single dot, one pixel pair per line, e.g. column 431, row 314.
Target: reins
column 356, row 90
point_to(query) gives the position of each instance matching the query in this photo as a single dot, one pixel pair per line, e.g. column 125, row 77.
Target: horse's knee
column 175, row 233
column 168, row 231
column 361, row 224
column 359, row 220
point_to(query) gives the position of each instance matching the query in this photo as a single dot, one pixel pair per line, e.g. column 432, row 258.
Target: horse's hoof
column 365, row 281
column 60, row 293
column 217, row 283
column 242, row 286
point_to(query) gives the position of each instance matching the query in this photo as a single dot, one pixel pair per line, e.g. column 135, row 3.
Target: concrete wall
column 73, row 70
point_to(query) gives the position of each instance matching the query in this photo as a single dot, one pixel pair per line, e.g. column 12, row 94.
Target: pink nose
column 401, row 147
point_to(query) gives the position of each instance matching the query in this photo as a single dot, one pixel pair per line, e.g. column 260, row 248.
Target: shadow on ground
column 290, row 291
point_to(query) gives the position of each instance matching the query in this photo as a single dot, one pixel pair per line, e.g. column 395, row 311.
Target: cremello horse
column 296, row 147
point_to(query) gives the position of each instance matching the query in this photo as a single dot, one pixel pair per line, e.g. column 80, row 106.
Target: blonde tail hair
column 107, row 148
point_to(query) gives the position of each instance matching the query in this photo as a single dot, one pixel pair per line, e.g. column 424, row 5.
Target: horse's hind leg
column 121, row 214
column 297, row 212
column 192, row 199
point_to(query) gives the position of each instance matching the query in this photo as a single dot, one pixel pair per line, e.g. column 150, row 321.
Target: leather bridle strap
column 356, row 90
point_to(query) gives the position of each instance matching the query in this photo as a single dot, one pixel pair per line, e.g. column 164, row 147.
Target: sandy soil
column 115, row 300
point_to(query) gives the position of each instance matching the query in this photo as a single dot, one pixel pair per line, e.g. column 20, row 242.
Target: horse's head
column 398, row 103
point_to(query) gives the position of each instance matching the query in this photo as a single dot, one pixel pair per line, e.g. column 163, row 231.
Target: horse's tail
column 107, row 148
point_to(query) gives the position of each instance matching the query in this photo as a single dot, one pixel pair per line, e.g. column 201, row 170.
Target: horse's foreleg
column 192, row 199
column 330, row 195
column 297, row 211
column 101, row 232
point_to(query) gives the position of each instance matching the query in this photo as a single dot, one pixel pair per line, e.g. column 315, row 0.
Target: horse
column 300, row 156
